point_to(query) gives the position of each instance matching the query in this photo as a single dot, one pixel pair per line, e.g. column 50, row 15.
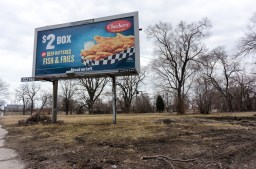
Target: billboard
column 101, row 46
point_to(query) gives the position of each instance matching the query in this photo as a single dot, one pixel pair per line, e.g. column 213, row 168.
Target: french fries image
column 107, row 46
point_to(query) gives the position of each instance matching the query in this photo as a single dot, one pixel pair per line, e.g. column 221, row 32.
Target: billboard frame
column 90, row 74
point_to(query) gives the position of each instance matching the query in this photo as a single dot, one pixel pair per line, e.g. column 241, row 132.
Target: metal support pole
column 54, row 103
column 114, row 99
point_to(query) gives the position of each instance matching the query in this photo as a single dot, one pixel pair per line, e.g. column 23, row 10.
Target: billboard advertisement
column 101, row 46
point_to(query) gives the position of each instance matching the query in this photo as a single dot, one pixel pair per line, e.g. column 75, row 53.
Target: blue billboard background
column 58, row 50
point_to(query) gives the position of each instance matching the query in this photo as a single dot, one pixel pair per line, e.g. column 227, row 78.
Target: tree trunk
column 91, row 107
column 127, row 107
column 229, row 103
column 180, row 104
column 67, row 107
column 32, row 106
column 180, row 108
column 24, row 110
column 24, row 107
column 230, row 106
column 204, row 105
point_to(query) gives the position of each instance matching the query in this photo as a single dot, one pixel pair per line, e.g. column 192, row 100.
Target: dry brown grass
column 100, row 127
column 91, row 127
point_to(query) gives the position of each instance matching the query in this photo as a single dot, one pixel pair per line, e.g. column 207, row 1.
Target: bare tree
column 144, row 104
column 93, row 87
column 203, row 88
column 68, row 90
column 203, row 94
column 3, row 92
column 45, row 98
column 178, row 50
column 20, row 95
column 128, row 87
column 244, row 91
column 31, row 92
column 221, row 71
column 247, row 44
column 27, row 94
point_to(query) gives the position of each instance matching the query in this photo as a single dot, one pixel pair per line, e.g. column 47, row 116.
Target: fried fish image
column 107, row 46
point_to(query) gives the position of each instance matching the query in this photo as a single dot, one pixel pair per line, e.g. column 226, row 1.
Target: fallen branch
column 167, row 159
column 213, row 164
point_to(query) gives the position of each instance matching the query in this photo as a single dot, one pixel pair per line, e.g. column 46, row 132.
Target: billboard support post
column 114, row 98
column 54, row 104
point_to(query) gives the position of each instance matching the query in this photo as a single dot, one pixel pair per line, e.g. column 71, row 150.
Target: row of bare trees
column 204, row 79
column 31, row 93
column 83, row 94
column 93, row 94
column 218, row 84
column 223, row 84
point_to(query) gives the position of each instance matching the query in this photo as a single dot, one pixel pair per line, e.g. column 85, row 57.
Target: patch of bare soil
column 183, row 142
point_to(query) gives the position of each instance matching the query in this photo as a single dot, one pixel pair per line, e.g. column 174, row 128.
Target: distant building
column 13, row 109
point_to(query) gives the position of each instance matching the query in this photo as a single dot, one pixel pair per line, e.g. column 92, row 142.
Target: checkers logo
column 118, row 26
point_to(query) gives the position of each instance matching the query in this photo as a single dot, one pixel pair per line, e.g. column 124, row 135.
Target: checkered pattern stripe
column 110, row 59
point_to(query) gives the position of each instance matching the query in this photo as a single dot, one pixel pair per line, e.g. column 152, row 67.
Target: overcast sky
column 19, row 18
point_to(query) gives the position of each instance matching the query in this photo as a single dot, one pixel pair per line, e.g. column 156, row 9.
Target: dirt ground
column 150, row 141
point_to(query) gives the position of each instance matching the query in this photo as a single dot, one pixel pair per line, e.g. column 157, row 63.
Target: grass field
column 92, row 141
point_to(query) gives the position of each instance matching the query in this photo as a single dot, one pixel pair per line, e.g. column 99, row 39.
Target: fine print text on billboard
column 101, row 46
